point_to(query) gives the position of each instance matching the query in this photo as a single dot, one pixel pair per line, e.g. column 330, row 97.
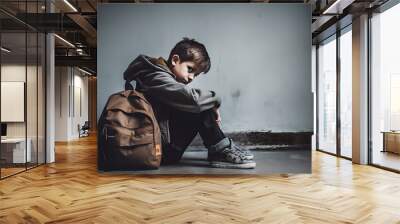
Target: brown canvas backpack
column 129, row 137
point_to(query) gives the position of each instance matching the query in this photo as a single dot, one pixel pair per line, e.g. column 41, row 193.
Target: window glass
column 385, row 88
column 346, row 93
column 327, row 96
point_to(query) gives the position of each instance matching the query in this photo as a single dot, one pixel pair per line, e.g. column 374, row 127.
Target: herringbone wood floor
column 72, row 191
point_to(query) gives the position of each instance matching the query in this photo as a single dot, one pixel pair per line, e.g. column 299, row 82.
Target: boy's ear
column 175, row 59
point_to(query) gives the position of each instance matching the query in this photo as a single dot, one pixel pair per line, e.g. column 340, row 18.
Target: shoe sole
column 246, row 158
column 249, row 157
column 227, row 165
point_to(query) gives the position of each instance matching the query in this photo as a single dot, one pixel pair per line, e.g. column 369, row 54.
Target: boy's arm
column 167, row 90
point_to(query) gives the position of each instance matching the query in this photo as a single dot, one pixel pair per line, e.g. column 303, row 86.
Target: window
column 346, row 92
column 327, row 95
column 385, row 88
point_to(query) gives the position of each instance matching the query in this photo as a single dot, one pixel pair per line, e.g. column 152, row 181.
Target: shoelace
column 233, row 150
column 243, row 151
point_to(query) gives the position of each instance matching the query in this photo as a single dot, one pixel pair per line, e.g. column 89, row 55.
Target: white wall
column 33, row 127
column 79, row 117
column 61, row 103
column 12, row 73
column 70, row 83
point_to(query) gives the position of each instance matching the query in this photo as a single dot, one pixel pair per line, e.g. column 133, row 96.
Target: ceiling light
column 5, row 50
column 84, row 71
column 337, row 7
column 79, row 51
column 65, row 41
column 70, row 5
column 326, row 11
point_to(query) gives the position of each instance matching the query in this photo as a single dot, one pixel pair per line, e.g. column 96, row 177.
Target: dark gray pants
column 184, row 126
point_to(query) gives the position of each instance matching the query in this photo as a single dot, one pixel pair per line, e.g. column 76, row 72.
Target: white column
column 50, row 93
column 360, row 90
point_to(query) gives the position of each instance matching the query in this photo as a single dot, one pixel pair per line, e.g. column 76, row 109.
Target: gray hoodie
column 156, row 81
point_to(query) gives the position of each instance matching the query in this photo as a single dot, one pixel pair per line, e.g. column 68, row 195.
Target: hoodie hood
column 143, row 65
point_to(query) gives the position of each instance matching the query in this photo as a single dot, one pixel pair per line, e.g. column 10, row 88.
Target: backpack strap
column 133, row 93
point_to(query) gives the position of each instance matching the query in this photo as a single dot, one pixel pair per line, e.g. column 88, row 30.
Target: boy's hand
column 218, row 115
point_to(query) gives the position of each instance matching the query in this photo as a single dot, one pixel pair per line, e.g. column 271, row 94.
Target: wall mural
column 204, row 88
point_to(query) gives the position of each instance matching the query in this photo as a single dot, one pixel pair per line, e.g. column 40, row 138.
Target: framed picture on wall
column 12, row 101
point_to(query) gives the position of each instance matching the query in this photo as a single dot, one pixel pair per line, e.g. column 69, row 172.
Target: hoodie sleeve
column 177, row 95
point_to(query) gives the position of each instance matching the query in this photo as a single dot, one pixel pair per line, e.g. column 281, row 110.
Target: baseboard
column 267, row 140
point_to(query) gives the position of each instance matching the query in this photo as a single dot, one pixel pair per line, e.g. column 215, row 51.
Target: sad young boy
column 181, row 111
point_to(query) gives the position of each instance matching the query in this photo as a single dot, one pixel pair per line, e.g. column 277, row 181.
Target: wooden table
column 391, row 141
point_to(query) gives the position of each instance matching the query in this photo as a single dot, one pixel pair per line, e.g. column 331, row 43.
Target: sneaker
column 246, row 153
column 225, row 155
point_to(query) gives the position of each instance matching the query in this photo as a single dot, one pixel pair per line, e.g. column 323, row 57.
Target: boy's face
column 184, row 71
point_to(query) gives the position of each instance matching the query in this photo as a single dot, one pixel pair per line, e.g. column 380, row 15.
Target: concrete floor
column 268, row 162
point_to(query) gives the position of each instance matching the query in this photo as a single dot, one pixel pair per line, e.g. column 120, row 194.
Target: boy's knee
column 209, row 118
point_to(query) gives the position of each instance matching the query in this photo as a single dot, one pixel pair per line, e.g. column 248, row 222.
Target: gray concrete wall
column 260, row 55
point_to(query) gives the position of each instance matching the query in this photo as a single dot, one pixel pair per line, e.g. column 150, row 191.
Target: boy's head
column 188, row 59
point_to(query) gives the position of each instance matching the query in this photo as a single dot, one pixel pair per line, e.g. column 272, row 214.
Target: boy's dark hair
column 191, row 50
